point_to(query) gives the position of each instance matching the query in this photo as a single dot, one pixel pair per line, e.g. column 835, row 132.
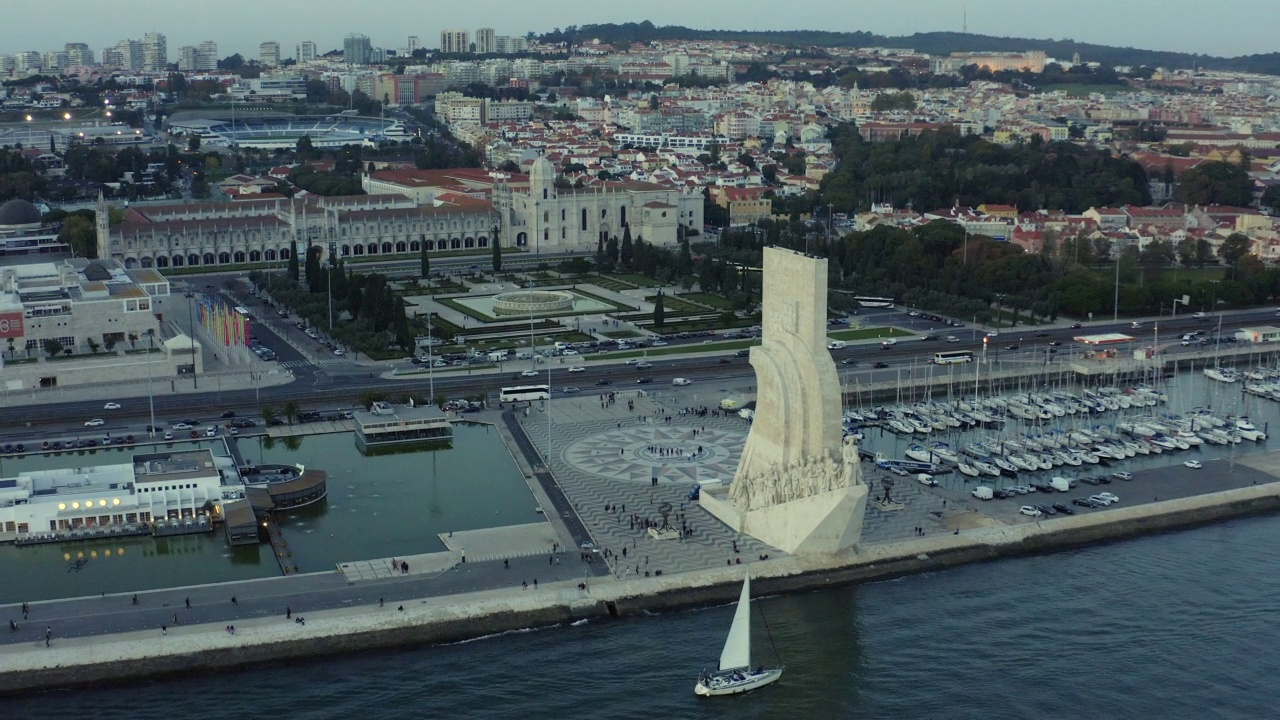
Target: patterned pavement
column 608, row 456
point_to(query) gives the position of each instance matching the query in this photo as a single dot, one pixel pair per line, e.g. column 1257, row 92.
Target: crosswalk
column 306, row 363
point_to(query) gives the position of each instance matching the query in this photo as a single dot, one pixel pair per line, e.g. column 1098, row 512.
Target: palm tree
column 268, row 414
column 291, row 410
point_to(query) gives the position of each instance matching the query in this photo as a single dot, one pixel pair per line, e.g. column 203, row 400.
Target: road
column 331, row 387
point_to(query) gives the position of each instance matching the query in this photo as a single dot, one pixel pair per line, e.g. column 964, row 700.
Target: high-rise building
column 414, row 43
column 207, row 56
column 306, row 51
column 455, row 41
column 155, row 52
column 269, row 54
column 486, row 41
column 187, row 58
column 356, row 49
column 126, row 55
column 78, row 54
column 509, row 45
column 28, row 60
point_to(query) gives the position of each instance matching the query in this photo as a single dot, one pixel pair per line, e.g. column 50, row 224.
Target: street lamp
column 195, row 383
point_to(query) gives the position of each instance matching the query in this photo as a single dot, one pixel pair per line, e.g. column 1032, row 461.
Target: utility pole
column 195, row 383
column 1115, row 311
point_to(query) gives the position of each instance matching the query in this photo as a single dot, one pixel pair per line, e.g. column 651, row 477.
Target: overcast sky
column 1223, row 27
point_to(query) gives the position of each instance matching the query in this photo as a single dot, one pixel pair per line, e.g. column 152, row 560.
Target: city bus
column 524, row 393
column 873, row 302
column 953, row 357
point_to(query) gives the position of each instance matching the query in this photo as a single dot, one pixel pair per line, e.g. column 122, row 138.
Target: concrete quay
column 450, row 618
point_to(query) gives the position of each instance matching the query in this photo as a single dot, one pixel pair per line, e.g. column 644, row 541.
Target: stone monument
column 798, row 486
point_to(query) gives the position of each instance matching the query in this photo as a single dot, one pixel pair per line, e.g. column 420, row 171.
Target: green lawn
column 710, row 347
column 609, row 283
column 673, row 304
column 714, row 301
column 617, row 334
column 868, row 333
column 639, row 280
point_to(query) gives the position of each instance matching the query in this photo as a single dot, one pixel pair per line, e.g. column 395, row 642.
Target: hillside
column 934, row 43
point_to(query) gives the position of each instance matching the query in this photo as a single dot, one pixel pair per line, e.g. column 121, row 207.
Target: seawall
column 187, row 649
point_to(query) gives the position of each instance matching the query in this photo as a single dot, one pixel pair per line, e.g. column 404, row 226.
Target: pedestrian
column 535, row 583
column 400, row 609
column 233, row 629
column 234, row 601
column 175, row 618
column 551, row 560
column 13, row 626
column 379, row 602
column 288, row 612
column 524, row 584
column 135, row 600
column 164, row 630
column 464, row 556
column 506, row 564
column 188, row 603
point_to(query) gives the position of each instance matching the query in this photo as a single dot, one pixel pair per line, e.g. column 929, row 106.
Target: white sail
column 737, row 648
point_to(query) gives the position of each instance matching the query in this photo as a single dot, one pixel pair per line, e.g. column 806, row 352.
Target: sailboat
column 735, row 674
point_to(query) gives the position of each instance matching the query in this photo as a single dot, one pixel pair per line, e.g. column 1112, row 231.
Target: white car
column 96, row 422
column 1109, row 497
column 632, row 361
column 993, row 333
column 577, row 369
column 643, row 365
column 952, row 338
column 181, row 426
column 1029, row 511
column 111, row 406
column 887, row 343
column 1193, row 464
column 339, row 352
column 659, row 343
column 529, row 373
column 1197, row 315
column 168, row 436
column 210, row 431
column 1101, row 500
column 569, row 353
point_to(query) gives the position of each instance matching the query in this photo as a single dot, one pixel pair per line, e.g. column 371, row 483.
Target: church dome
column 19, row 212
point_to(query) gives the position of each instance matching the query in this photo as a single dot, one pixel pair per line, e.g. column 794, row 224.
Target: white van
column 835, row 344
column 681, row 382
column 982, row 492
column 1060, row 484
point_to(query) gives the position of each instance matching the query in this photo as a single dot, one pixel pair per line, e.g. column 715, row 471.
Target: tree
column 193, row 143
column 497, row 251
column 52, row 346
column 268, row 414
column 80, row 232
column 659, row 314
column 1271, row 199
column 293, row 260
column 291, row 410
column 424, row 262
column 626, row 250
column 304, row 148
column 1233, row 248
column 1214, row 183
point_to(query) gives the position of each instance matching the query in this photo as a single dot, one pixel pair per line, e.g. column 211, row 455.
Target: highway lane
column 339, row 386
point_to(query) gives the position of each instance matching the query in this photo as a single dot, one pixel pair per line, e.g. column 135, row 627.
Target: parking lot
column 1151, row 485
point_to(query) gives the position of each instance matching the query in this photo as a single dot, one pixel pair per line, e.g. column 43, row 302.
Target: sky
column 1224, row 27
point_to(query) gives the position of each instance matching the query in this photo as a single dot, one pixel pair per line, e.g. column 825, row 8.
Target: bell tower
column 102, row 219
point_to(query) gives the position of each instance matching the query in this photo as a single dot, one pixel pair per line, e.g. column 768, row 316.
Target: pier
column 279, row 546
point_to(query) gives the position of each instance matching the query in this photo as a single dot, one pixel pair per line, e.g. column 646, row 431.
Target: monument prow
column 798, row 487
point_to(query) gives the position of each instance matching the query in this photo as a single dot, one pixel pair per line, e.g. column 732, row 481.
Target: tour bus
column 953, row 357
column 524, row 393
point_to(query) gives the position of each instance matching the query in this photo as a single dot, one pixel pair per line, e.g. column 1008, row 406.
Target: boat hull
column 728, row 684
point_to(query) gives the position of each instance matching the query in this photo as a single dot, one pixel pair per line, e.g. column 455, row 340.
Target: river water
column 1174, row 625
column 380, row 506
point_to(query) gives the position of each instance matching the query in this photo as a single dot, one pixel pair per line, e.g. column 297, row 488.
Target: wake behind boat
column 735, row 674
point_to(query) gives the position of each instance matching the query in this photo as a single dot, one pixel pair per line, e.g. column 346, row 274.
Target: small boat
column 943, row 451
column 968, row 469
column 919, row 452
column 735, row 674
column 1226, row 375
column 987, row 468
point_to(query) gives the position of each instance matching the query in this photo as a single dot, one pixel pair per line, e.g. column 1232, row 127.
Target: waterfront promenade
column 601, row 453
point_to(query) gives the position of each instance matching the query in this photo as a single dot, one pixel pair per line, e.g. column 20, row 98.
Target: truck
column 498, row 356
column 524, row 355
column 681, row 382
column 1060, row 484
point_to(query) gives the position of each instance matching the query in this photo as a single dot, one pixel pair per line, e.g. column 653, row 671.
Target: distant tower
column 964, row 21
column 102, row 219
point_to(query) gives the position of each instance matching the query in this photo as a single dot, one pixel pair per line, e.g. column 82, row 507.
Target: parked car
column 1099, row 499
column 1064, row 509
column 1030, row 511
column 1109, row 497
column 1122, row 475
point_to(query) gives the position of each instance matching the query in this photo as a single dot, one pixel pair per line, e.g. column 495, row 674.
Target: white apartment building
column 486, row 41
column 269, row 54
column 306, row 51
column 455, row 41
